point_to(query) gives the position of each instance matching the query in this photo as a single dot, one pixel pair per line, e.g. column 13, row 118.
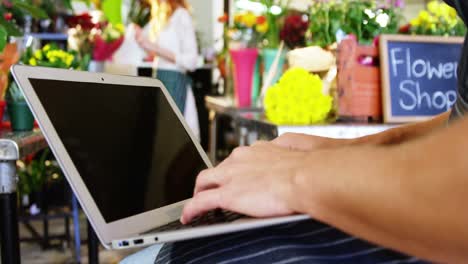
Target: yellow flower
column 32, row 62
column 424, row 16
column 452, row 13
column 434, row 7
column 238, row 18
column 38, row 54
column 415, row 22
column 46, row 48
column 249, row 19
column 120, row 27
column 262, row 28
column 297, row 99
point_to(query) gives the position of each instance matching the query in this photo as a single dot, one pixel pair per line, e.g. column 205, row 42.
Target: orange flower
column 261, row 19
column 223, row 19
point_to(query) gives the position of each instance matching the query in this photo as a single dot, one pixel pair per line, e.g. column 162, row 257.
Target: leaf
column 67, row 4
column 3, row 38
column 11, row 29
column 36, row 12
column 113, row 11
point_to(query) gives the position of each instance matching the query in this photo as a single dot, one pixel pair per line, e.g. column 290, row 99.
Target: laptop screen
column 126, row 142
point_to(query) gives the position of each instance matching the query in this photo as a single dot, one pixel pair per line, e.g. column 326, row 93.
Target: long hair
column 161, row 11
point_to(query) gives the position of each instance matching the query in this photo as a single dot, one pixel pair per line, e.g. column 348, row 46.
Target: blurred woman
column 173, row 45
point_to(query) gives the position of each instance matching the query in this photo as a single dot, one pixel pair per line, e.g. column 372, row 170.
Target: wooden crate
column 359, row 89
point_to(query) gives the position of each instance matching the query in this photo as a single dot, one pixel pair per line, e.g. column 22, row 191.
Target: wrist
column 306, row 184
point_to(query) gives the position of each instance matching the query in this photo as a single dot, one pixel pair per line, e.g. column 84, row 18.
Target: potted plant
column 20, row 115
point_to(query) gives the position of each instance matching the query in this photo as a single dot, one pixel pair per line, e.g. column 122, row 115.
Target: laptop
column 127, row 154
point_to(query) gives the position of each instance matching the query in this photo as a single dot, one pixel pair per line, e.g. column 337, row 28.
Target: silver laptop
column 127, row 153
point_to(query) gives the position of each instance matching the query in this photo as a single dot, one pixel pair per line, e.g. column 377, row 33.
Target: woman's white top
column 178, row 36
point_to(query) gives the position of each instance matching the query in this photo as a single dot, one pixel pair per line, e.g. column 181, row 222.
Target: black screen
column 126, row 142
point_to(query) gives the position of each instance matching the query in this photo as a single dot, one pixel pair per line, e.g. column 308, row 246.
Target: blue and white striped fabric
column 300, row 242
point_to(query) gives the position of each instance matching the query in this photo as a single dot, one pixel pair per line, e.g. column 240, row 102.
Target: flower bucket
column 20, row 116
column 256, row 83
column 244, row 65
column 268, row 59
column 359, row 90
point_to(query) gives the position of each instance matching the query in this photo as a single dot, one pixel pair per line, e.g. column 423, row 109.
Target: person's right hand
column 303, row 142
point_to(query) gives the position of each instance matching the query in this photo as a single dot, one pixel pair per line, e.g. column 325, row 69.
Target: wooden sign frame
column 384, row 71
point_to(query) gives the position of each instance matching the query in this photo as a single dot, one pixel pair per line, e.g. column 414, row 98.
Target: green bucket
column 20, row 116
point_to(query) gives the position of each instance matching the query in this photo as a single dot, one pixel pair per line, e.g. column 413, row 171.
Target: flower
column 261, row 20
column 238, row 18
column 438, row 19
column 8, row 16
column 294, row 30
column 38, row 54
column 223, row 19
column 249, row 19
column 297, row 99
column 32, row 62
column 262, row 28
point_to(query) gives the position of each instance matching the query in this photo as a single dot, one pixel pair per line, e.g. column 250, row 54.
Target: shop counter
column 250, row 125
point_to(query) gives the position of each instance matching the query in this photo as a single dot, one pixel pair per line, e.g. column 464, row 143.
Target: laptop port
column 138, row 241
column 124, row 243
column 156, row 239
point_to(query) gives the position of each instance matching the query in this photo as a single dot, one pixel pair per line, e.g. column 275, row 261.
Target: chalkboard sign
column 419, row 76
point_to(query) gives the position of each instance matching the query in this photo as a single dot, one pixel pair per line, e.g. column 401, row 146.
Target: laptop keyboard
column 210, row 218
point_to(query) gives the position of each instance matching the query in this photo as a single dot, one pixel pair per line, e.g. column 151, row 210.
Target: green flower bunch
column 297, row 99
column 363, row 19
column 51, row 56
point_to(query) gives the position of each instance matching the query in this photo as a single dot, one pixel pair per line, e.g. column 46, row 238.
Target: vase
column 96, row 66
column 244, row 64
column 20, row 116
column 256, row 83
column 269, row 56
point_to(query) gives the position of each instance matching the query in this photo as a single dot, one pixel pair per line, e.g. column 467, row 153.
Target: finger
column 200, row 204
column 208, row 179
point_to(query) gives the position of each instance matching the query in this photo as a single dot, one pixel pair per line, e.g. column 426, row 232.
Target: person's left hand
column 142, row 41
column 255, row 181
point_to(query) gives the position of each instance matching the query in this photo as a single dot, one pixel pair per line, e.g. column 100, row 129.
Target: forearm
column 404, row 133
column 161, row 52
column 410, row 197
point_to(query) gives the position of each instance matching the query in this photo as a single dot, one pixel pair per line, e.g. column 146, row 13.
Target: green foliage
column 361, row 18
column 17, row 8
column 14, row 93
column 28, row 7
column 272, row 36
column 140, row 13
column 3, row 38
column 34, row 174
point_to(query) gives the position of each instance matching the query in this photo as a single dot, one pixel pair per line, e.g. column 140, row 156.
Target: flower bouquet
column 438, row 19
column 107, row 42
column 297, row 99
column 52, row 56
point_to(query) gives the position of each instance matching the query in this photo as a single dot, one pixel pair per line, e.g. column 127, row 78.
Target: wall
column 206, row 13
